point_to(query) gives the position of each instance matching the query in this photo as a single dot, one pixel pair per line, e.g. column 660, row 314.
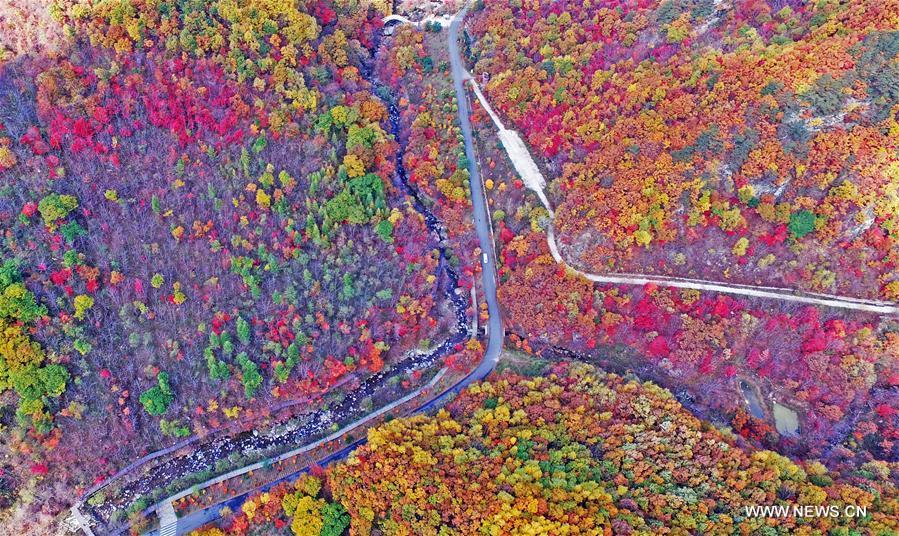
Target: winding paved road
column 479, row 203
column 527, row 168
column 495, row 330
column 752, row 291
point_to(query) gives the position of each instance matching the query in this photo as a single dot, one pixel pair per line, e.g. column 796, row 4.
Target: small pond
column 786, row 420
column 755, row 407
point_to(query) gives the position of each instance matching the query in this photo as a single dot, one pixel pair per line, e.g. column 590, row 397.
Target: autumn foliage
column 752, row 141
column 577, row 451
column 200, row 221
column 647, row 143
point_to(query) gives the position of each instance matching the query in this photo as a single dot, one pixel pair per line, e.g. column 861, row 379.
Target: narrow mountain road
column 752, row 291
column 495, row 330
column 532, row 177
column 479, row 205
column 171, row 525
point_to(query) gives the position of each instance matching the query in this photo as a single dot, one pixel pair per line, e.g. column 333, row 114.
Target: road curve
column 522, row 160
column 495, row 330
column 773, row 293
